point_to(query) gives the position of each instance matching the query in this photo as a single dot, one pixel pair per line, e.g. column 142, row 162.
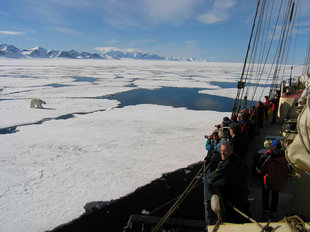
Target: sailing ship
column 271, row 40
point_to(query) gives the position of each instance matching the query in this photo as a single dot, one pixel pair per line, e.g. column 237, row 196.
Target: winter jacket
column 267, row 104
column 238, row 145
column 274, row 170
column 217, row 147
column 229, row 181
column 210, row 143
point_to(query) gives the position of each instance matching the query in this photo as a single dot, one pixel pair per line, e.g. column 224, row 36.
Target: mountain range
column 10, row 51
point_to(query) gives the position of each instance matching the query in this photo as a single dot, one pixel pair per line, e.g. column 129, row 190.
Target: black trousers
column 266, row 114
column 274, row 116
column 274, row 199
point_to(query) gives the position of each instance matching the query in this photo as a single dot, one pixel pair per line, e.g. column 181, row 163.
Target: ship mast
column 240, row 85
column 269, row 37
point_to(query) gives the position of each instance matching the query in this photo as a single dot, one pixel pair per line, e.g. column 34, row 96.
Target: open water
column 176, row 97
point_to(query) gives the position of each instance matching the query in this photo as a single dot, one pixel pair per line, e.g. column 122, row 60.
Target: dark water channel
column 225, row 85
column 176, row 97
column 85, row 79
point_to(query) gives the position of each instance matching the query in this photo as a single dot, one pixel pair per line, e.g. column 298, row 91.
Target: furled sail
column 298, row 152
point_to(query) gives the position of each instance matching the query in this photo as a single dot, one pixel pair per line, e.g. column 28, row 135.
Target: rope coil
column 295, row 223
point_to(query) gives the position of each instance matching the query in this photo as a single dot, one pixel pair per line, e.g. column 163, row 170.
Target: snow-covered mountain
column 35, row 52
column 10, row 51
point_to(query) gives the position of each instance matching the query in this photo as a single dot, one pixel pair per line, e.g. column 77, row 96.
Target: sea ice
column 49, row 171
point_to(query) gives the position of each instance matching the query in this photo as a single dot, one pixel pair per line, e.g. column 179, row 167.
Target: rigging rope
column 168, row 202
column 290, row 11
column 274, row 58
column 236, row 105
column 263, row 63
column 269, row 49
column 261, row 52
column 282, row 45
column 189, row 188
column 254, row 69
column 262, row 48
column 288, row 36
column 307, row 59
column 291, row 35
column 254, row 51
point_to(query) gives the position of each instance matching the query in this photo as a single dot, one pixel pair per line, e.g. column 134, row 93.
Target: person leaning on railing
column 228, row 181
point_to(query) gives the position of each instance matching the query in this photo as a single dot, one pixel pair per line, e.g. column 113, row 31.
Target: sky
column 215, row 30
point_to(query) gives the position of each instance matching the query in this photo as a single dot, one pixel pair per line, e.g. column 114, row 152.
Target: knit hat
column 276, row 143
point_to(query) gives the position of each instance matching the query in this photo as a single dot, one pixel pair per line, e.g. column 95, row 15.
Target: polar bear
column 37, row 102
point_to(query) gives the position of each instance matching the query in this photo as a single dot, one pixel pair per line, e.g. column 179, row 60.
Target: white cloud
column 173, row 11
column 188, row 48
column 211, row 18
column 133, row 46
column 112, row 41
column 302, row 28
column 141, row 42
column 299, row 29
column 11, row 32
column 75, row 3
column 124, row 13
column 218, row 13
column 121, row 21
column 190, row 42
column 44, row 11
column 3, row 13
column 106, row 49
column 65, row 30
column 304, row 8
column 224, row 4
column 111, row 49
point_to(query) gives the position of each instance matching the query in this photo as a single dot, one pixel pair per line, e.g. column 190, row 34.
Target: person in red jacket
column 274, row 108
column 273, row 172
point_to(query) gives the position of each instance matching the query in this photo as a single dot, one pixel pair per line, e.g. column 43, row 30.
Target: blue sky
column 216, row 30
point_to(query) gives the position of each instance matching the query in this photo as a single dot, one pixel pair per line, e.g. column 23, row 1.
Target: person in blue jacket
column 211, row 142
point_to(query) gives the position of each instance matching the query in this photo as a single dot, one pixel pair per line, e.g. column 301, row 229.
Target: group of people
column 227, row 148
column 271, row 107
